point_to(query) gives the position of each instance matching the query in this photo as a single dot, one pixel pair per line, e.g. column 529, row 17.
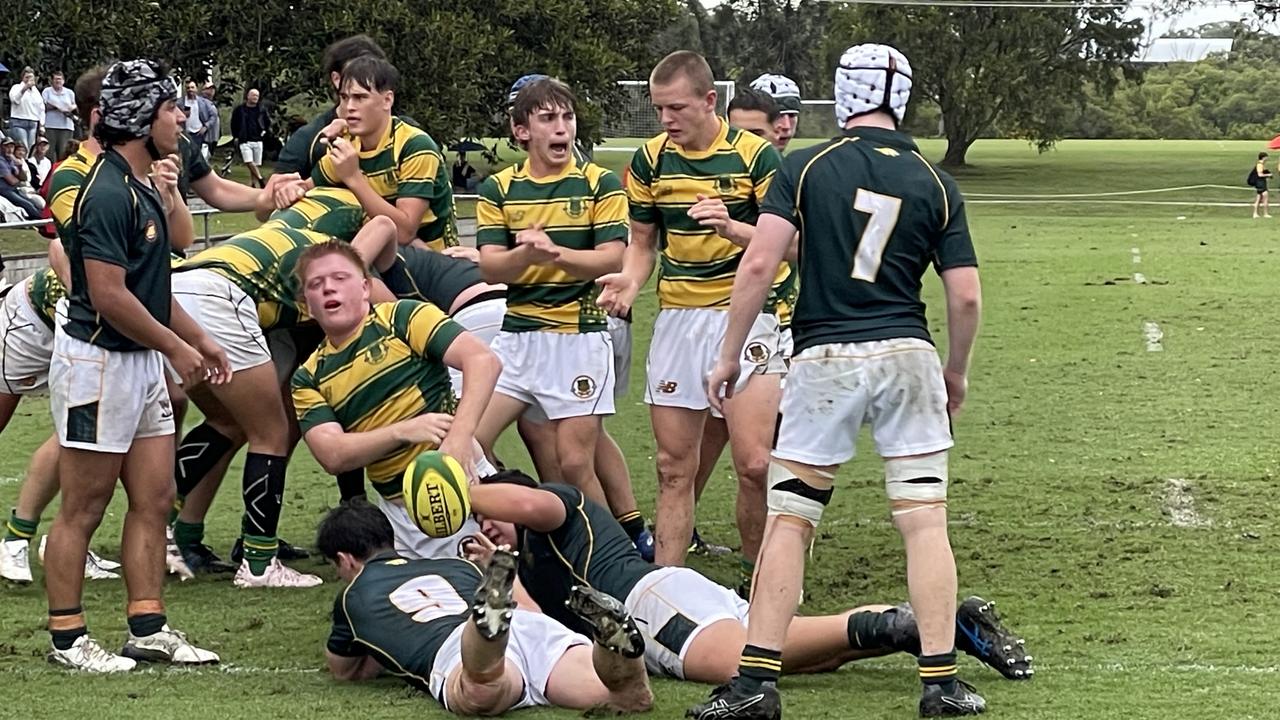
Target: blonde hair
column 684, row 63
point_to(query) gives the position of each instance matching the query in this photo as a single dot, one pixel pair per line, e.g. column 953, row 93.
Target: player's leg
column 539, row 438
column 615, row 478
column 8, row 403
column 39, row 488
column 201, row 463
column 677, row 433
column 146, row 475
column 612, row 674
column 822, row 643
column 752, row 417
column 715, row 437
column 486, row 683
column 912, row 431
column 576, row 439
column 502, row 410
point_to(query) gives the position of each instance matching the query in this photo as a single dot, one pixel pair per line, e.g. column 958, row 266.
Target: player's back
column 873, row 215
column 328, row 210
column 590, row 548
column 403, row 610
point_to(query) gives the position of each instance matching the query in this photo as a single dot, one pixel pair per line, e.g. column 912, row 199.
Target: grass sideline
column 1063, row 507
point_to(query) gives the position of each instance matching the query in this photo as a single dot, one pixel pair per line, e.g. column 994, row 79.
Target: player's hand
column 217, row 368
column 539, row 245
column 285, row 189
column 478, row 549
column 426, row 428
column 164, row 173
column 188, row 363
column 957, row 387
column 463, row 252
column 713, row 213
column 617, row 293
column 334, row 130
column 462, row 449
column 346, row 158
column 721, row 381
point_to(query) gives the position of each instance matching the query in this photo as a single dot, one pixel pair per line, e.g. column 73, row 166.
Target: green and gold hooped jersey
column 261, row 262
column 327, row 210
column 581, row 208
column 64, row 187
column 44, row 289
column 406, row 163
column 697, row 265
column 391, row 370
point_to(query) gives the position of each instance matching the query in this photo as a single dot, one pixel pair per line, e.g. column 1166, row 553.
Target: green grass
column 1063, row 452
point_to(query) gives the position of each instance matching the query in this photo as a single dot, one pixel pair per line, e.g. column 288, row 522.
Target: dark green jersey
column 873, row 214
column 303, row 150
column 590, row 548
column 430, row 276
column 119, row 221
column 194, row 166
column 401, row 611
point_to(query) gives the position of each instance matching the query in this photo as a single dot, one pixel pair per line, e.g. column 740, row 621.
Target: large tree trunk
column 957, row 148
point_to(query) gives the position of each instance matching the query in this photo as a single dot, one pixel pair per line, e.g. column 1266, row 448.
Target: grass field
column 1116, row 501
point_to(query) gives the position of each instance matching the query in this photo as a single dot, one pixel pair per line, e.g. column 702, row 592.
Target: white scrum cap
column 872, row 77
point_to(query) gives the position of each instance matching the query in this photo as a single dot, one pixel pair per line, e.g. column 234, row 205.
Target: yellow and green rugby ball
column 435, row 494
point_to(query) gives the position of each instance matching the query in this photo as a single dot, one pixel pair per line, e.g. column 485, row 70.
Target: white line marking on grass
column 1137, row 255
column 10, row 480
column 1139, row 278
column 1154, row 336
column 1119, row 193
column 1179, row 504
column 1188, row 203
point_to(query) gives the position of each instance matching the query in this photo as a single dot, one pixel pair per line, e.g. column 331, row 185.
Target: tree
column 1017, row 68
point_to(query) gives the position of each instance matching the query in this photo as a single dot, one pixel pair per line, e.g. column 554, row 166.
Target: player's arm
column 538, row 510
column 376, row 243
column 480, row 369
column 502, row 260
column 348, row 660
column 591, row 264
column 964, row 312
column 228, row 195
column 352, row 669
column 60, row 263
column 608, row 234
column 338, row 451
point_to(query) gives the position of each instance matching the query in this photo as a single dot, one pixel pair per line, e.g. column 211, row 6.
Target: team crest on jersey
column 724, row 184
column 574, row 208
column 584, row 386
column 517, row 216
column 887, row 151
column 376, row 353
column 756, row 353
column 150, row 232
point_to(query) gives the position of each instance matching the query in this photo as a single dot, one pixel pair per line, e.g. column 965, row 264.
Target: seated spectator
column 22, row 168
column 39, row 162
column 464, row 175
column 9, row 181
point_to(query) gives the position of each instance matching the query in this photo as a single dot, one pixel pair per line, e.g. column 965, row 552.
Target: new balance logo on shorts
column 666, row 387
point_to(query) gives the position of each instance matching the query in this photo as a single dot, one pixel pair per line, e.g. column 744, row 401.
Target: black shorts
column 1261, row 186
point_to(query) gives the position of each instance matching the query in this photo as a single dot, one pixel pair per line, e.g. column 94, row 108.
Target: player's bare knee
column 753, row 471
column 916, row 485
column 798, row 494
column 673, row 471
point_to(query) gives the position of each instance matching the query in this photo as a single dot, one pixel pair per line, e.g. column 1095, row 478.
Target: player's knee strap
column 916, row 483
column 804, row 497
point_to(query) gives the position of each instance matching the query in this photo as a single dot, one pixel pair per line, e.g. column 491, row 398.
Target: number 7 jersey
column 873, row 214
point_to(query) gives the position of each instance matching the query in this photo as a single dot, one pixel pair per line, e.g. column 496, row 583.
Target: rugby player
column 694, row 193
column 394, row 169
column 786, row 93
column 376, row 393
column 107, row 389
column 864, row 355
column 451, row 631
column 692, row 626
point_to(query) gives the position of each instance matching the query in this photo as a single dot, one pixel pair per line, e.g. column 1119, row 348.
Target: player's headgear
column 869, row 78
column 132, row 93
column 519, row 85
column 782, row 89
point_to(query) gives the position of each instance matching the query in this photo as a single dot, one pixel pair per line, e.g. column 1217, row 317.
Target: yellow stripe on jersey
column 581, row 208
column 65, row 185
column 390, row 371
column 664, row 182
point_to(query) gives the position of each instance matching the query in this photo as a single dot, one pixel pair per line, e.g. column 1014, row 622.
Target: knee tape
column 802, row 497
column 916, row 483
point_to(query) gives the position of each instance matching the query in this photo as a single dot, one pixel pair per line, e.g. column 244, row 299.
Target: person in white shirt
column 26, row 113
column 195, row 127
column 59, row 114
column 39, row 162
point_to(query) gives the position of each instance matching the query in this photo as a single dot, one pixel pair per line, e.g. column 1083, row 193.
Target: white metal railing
column 202, row 212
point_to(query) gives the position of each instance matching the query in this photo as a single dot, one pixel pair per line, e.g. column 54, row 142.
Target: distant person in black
column 451, row 631
column 693, row 627
column 464, row 175
column 1260, row 175
column 107, row 379
column 250, row 125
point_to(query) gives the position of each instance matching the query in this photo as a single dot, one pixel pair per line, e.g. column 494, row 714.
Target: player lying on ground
column 693, row 628
column 376, row 394
column 447, row 629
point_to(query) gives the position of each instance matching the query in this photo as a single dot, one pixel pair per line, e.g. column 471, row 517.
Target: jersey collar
column 721, row 137
column 892, row 138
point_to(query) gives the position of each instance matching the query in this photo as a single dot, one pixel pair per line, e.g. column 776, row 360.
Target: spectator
column 213, row 135
column 249, row 125
column 200, row 114
column 9, row 181
column 22, row 169
column 39, row 162
column 465, row 178
column 59, row 115
column 26, row 114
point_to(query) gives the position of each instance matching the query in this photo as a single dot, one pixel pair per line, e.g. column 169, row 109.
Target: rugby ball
column 435, row 494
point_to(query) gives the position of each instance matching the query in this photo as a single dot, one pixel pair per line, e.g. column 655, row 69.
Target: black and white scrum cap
column 872, row 77
column 132, row 92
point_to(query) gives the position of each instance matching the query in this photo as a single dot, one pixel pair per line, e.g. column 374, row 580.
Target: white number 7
column 883, row 210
